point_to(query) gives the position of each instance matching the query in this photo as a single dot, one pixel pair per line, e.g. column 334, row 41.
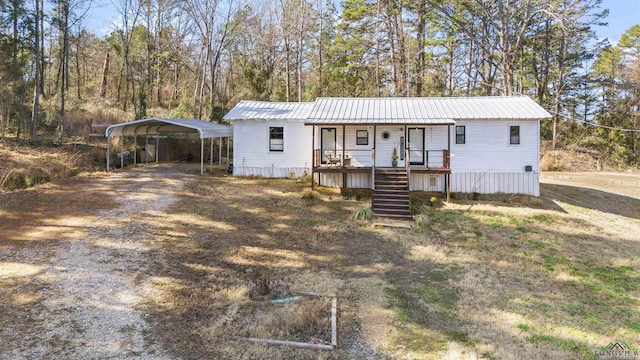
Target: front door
column 327, row 143
column 416, row 146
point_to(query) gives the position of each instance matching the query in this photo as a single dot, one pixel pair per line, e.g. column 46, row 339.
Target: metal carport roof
column 155, row 126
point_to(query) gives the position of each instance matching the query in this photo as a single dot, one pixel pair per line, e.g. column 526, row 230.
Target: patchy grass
column 503, row 277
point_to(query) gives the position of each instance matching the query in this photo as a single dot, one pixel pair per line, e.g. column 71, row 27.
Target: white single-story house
column 457, row 144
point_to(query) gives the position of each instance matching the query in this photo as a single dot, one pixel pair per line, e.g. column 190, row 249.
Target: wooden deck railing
column 437, row 159
column 352, row 158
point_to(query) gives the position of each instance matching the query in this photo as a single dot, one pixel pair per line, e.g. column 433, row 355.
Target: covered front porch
column 350, row 155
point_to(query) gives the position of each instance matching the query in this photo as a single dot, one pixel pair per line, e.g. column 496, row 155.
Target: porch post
column 448, row 175
column 313, row 156
column 344, row 174
column 407, row 163
column 373, row 160
column 211, row 154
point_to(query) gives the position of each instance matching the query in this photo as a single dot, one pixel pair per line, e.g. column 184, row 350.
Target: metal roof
column 258, row 110
column 436, row 110
column 154, row 126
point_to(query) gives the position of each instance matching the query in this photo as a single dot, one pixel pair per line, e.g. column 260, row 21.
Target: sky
column 622, row 15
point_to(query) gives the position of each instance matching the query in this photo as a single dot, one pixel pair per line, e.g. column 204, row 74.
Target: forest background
column 198, row 58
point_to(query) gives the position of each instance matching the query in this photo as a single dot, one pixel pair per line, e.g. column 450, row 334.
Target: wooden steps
column 391, row 194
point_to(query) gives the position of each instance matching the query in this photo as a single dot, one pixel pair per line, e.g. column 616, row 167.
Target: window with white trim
column 514, row 135
column 362, row 137
column 460, row 134
column 276, row 138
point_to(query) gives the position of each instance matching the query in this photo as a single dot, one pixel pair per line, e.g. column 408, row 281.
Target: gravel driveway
column 73, row 281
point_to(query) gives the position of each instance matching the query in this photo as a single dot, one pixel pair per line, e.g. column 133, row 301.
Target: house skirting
column 270, row 171
column 353, row 180
column 525, row 183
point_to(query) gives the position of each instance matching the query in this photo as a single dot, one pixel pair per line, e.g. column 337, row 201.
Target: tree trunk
column 287, row 69
column 36, row 87
column 300, row 49
column 420, row 37
column 105, row 76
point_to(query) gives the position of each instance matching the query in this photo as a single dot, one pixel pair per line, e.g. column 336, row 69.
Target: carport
column 156, row 126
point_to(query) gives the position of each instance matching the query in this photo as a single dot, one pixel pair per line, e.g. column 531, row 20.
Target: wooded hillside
column 198, row 58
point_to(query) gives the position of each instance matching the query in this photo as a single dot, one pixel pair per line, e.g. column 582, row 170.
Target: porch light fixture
column 386, row 135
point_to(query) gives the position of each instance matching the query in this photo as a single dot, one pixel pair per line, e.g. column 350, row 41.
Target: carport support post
column 228, row 150
column 201, row 156
column 122, row 138
column 211, row 154
column 157, row 145
column 146, row 149
column 108, row 151
column 135, row 149
column 220, row 152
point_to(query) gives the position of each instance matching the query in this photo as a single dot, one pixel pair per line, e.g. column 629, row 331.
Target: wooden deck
column 423, row 170
column 367, row 169
column 342, row 169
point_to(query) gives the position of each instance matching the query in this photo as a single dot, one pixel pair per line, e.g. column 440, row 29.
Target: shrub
column 362, row 213
column 422, row 220
column 550, row 163
column 309, row 195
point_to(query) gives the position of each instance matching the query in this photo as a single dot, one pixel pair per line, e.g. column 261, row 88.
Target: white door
column 416, row 146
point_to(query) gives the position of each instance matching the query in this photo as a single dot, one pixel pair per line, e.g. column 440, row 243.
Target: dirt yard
column 158, row 262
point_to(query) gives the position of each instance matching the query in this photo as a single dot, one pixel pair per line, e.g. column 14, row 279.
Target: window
column 514, row 135
column 460, row 134
column 362, row 137
column 276, row 138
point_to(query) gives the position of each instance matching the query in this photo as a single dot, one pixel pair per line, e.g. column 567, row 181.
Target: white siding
column 251, row 153
column 384, row 148
column 492, row 183
column 360, row 154
column 487, row 147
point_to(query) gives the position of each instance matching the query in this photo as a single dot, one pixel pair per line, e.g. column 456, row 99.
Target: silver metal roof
column 153, row 126
column 257, row 110
column 437, row 110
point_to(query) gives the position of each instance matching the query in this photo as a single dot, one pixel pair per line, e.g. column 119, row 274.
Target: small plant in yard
column 433, row 201
column 362, row 213
column 309, row 195
column 422, row 220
